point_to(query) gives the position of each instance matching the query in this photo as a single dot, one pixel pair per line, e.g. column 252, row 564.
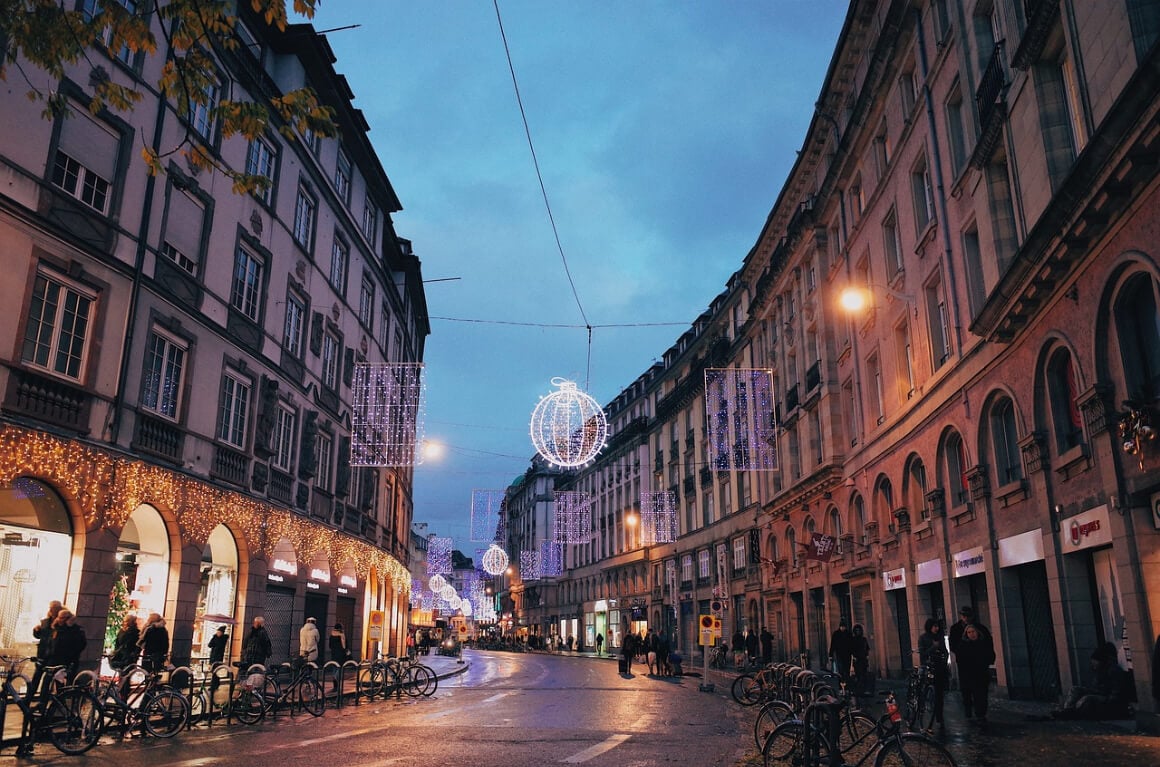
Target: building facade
column 176, row 412
column 975, row 431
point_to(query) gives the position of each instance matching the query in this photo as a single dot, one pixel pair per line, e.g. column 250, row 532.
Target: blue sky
column 663, row 130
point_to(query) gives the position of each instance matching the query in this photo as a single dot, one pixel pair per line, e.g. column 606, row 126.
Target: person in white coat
column 308, row 639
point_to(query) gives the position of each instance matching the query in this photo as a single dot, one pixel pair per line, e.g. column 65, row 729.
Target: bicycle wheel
column 856, row 737
column 72, row 720
column 271, row 693
column 769, row 717
column 247, row 706
column 425, row 680
column 198, row 706
column 165, row 713
column 926, row 708
column 747, row 690
column 311, row 697
column 914, row 750
column 785, row 746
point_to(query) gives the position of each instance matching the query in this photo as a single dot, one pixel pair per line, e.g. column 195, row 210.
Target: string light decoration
column 487, row 517
column 387, row 409
column 447, row 592
column 742, row 434
column 465, row 607
column 439, row 555
column 530, row 565
column 572, row 517
column 454, row 602
column 436, row 582
column 568, row 426
column 427, row 601
column 658, row 517
column 551, row 559
column 495, row 560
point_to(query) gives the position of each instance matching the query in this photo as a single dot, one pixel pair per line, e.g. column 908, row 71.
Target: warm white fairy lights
column 487, row 515
column 386, row 420
column 568, row 426
column 495, row 560
column 742, row 434
column 658, row 517
column 573, row 517
column 439, row 555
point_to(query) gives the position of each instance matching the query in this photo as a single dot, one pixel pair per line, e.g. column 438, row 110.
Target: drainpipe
column 138, row 267
column 940, row 197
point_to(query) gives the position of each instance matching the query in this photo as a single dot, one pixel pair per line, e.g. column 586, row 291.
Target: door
column 1039, row 631
column 279, row 616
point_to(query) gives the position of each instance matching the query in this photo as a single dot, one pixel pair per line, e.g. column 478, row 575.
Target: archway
column 217, row 597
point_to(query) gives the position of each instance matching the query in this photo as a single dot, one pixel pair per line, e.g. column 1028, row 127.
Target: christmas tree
column 118, row 608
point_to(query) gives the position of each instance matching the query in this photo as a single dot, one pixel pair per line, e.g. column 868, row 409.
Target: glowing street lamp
column 855, row 298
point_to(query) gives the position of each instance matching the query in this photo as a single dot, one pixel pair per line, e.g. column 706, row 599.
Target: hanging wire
column 544, row 191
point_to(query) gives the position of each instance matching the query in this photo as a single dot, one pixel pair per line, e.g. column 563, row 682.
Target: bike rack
column 823, row 716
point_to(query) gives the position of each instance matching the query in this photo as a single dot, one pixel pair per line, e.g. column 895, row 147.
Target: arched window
column 791, row 544
column 1138, row 332
column 860, row 519
column 835, row 529
column 772, row 549
column 1005, row 443
column 914, row 489
column 1062, row 393
column 955, row 453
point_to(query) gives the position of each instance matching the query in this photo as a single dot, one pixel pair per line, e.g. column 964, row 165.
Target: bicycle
column 800, row 744
column 751, row 689
column 303, row 691
column 719, row 657
column 68, row 716
column 414, row 677
column 920, row 698
column 136, row 698
column 852, row 725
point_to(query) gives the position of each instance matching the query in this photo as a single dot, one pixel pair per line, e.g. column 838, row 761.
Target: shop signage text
column 970, row 562
column 320, row 575
column 894, row 579
column 282, row 566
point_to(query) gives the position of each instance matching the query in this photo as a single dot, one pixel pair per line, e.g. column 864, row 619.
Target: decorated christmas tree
column 118, row 608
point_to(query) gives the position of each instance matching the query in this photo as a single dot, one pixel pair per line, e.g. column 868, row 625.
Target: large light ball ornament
column 495, row 560
column 447, row 592
column 568, row 426
column 465, row 607
column 436, row 583
column 454, row 603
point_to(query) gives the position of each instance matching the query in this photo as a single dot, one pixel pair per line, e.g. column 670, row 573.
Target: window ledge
column 961, row 515
column 1073, row 461
column 1011, row 492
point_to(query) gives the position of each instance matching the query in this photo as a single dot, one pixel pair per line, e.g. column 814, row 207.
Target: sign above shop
column 348, row 580
column 970, row 562
column 320, row 575
column 1083, row 531
column 1021, row 549
column 894, row 579
column 284, row 566
column 930, row 571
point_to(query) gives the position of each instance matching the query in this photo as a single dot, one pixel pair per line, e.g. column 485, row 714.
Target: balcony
column 706, row 475
column 1040, row 16
column 229, row 465
column 814, row 376
column 47, row 399
column 690, row 485
column 992, row 107
column 281, row 487
column 158, row 437
column 321, row 505
column 791, row 398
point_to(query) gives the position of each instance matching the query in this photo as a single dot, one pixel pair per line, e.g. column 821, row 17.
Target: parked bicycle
column 135, row 699
column 68, row 716
column 920, row 698
column 302, row 692
column 852, row 725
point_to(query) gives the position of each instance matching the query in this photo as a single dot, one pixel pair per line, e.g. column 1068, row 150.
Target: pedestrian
column 752, row 646
column 627, row 650
column 410, row 642
column 336, row 644
column 68, row 642
column 955, row 638
column 738, row 645
column 841, row 651
column 571, row 642
column 650, row 650
column 664, row 648
column 1111, row 695
column 932, row 652
column 860, row 653
column 154, row 643
column 256, row 649
column 43, row 630
column 766, row 646
column 975, row 654
column 217, row 646
column 125, row 649
column 308, row 639
column 599, row 644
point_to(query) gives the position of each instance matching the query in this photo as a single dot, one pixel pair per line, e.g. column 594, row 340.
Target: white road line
column 597, row 750
column 494, row 698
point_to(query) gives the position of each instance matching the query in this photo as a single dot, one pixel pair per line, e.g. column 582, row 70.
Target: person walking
column 257, row 649
column 932, row 652
column 738, row 645
column 43, row 630
column 650, row 651
column 308, row 639
column 68, row 642
column 664, row 648
column 217, row 646
column 154, row 643
column 841, row 651
column 860, row 653
column 955, row 638
column 974, row 656
column 336, row 645
column 627, row 650
column 752, row 647
column 766, row 646
column 125, row 649
column 599, row 644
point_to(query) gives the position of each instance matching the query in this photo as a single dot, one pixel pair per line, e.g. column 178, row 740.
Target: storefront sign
column 930, row 571
column 341, row 590
column 375, row 625
column 320, row 575
column 601, row 605
column 1021, row 549
column 1083, row 531
column 970, row 562
column 274, row 577
column 312, row 585
column 348, row 580
column 283, row 566
column 894, row 579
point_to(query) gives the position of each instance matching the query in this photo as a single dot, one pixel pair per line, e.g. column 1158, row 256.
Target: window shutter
column 183, row 225
column 89, row 143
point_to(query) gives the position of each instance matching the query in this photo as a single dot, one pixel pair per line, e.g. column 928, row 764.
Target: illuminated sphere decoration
column 454, row 603
column 465, row 607
column 436, row 583
column 495, row 560
column 447, row 592
column 568, row 426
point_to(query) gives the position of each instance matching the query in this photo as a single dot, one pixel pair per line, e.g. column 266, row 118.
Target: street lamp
column 855, row 298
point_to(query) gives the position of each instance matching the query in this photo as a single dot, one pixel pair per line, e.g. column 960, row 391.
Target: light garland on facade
column 551, row 559
column 572, row 517
column 568, row 426
column 439, row 555
column 487, row 515
column 658, row 517
column 387, row 409
column 530, row 565
column 106, row 489
column 436, row 582
column 740, row 428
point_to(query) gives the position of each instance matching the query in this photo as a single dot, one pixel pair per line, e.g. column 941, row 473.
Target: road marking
column 597, row 750
column 494, row 698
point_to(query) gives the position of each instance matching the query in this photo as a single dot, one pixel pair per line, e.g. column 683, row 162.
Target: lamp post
column 855, row 298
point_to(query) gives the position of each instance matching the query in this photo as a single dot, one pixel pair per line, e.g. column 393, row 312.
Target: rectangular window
column 234, row 411
column 703, row 564
column 81, row 183
column 163, row 375
column 956, row 129
column 324, row 457
column 331, row 353
column 936, row 310
column 202, row 113
column 90, row 9
column 285, row 433
column 850, row 412
column 294, row 332
column 370, row 222
column 893, row 244
column 339, row 254
column 311, row 141
column 246, row 294
column 878, row 401
column 907, row 91
column 385, row 326
column 260, row 163
column 923, row 197
column 882, row 150
column 86, row 159
column 304, row 208
column 184, row 224
column 738, row 553
column 56, row 334
column 687, row 568
column 366, row 304
column 976, row 283
column 905, row 361
column 342, row 175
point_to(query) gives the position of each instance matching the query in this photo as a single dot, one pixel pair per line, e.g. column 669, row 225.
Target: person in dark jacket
column 932, row 652
column 860, row 653
column 336, row 646
column 257, row 648
column 738, row 645
column 154, row 643
column 125, row 649
column 1111, row 695
column 975, row 654
column 842, row 650
column 752, row 647
column 766, row 646
column 43, row 630
column 68, row 642
column 627, row 650
column 217, row 646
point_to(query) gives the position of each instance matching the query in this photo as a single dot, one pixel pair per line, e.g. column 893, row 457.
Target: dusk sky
column 663, row 131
